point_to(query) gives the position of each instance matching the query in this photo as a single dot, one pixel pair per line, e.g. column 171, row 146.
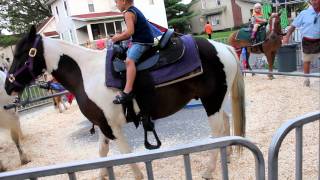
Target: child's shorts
column 136, row 51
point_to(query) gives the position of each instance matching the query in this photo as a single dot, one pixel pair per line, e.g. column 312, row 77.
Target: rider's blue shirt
column 308, row 21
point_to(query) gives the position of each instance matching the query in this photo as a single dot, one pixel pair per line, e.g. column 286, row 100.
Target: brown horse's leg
column 270, row 58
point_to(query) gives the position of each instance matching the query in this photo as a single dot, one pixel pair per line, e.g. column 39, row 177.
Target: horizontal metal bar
column 10, row 106
column 282, row 73
column 203, row 145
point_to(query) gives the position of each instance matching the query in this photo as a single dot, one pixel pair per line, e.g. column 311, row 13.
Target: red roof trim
column 51, row 33
column 44, row 23
column 95, row 15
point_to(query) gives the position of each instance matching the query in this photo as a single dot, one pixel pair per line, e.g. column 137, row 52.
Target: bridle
column 272, row 26
column 28, row 65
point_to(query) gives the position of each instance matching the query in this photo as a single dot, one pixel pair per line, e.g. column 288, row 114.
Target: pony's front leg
column 216, row 123
column 124, row 148
column 103, row 151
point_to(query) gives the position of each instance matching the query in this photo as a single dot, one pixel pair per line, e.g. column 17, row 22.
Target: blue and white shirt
column 308, row 21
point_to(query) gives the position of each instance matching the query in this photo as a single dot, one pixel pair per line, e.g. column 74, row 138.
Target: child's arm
column 261, row 19
column 129, row 17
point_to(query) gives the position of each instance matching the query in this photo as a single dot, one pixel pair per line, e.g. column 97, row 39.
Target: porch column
column 90, row 32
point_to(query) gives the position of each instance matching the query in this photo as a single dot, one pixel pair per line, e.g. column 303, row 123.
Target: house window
column 110, row 28
column 65, row 7
column 203, row 4
column 218, row 2
column 91, row 6
column 71, row 36
column 98, row 31
column 118, row 27
column 57, row 10
column 214, row 20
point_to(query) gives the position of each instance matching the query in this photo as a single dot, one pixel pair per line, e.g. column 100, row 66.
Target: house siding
column 72, row 30
column 236, row 13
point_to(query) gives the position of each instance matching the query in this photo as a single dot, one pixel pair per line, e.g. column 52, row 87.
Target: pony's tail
column 238, row 102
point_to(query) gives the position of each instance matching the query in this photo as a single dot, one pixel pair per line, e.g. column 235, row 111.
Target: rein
column 28, row 65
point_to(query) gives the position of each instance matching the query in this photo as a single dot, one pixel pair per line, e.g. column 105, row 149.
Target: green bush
column 8, row 40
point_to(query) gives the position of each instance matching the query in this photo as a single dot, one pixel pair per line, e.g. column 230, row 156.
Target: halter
column 27, row 65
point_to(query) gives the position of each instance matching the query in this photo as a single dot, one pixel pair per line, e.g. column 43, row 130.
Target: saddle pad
column 188, row 63
column 245, row 35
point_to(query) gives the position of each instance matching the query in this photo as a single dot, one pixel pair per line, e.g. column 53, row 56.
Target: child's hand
column 115, row 38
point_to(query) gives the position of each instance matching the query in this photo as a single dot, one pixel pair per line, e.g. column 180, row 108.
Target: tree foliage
column 9, row 40
column 178, row 15
column 18, row 15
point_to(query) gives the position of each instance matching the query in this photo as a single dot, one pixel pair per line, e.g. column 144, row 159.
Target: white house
column 88, row 20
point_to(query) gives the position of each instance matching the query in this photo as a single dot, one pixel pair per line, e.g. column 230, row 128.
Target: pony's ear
column 32, row 32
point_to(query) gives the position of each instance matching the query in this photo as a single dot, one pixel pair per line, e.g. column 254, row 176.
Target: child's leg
column 131, row 75
column 254, row 31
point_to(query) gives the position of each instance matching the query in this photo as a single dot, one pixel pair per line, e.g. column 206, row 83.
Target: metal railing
column 277, row 139
column 34, row 92
column 147, row 157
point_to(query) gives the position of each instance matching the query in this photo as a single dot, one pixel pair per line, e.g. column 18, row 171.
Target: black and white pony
column 9, row 118
column 82, row 72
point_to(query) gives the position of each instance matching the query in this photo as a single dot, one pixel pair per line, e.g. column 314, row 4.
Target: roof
column 44, row 23
column 96, row 16
column 50, row 2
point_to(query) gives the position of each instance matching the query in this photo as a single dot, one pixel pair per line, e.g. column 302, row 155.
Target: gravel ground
column 53, row 138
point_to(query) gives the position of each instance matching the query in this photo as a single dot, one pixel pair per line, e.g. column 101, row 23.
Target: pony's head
column 28, row 62
column 274, row 23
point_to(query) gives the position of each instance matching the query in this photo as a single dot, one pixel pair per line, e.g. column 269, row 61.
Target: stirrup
column 123, row 98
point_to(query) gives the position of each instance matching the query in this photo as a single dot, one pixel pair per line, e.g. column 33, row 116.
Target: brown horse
column 270, row 45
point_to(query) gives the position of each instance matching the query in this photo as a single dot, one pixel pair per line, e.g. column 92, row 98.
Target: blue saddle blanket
column 189, row 62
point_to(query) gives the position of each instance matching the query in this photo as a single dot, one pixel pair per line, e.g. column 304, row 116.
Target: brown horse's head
column 274, row 23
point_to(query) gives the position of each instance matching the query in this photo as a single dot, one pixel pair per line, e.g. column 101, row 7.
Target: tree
column 178, row 15
column 18, row 15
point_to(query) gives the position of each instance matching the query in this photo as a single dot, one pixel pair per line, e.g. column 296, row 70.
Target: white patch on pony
column 92, row 66
column 229, row 60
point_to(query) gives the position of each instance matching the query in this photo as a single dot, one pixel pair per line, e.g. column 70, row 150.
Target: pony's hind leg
column 216, row 123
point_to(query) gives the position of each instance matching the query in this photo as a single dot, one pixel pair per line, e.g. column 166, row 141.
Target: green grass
column 217, row 35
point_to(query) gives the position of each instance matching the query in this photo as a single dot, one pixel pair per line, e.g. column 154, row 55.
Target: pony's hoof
column 139, row 177
column 2, row 168
column 271, row 77
column 25, row 159
column 103, row 174
column 207, row 175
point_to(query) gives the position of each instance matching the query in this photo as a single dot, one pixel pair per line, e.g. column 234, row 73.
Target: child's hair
column 256, row 5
